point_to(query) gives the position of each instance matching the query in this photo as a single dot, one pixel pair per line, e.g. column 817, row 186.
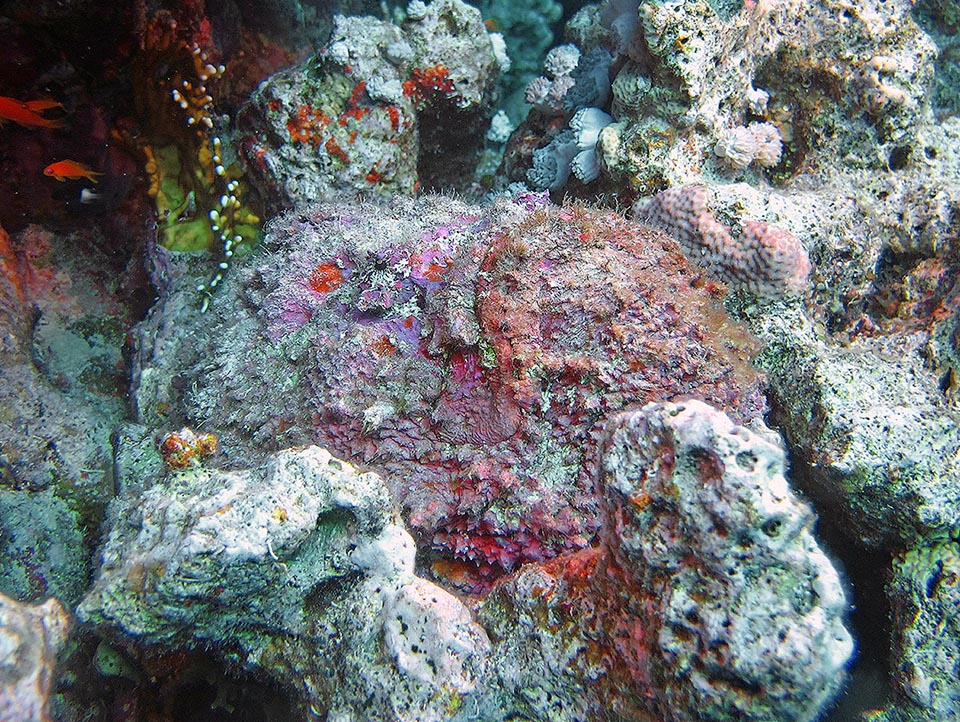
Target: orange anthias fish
column 63, row 169
column 27, row 113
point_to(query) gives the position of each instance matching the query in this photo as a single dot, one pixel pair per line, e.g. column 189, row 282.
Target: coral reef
column 707, row 599
column 299, row 570
column 862, row 151
column 725, row 71
column 875, row 434
column 522, row 384
column 31, row 638
column 469, row 354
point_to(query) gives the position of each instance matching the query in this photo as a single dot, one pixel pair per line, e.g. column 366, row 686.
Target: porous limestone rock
column 381, row 108
column 297, row 570
column 708, row 597
column 29, row 639
column 881, row 445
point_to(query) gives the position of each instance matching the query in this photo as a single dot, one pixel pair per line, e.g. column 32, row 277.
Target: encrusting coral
column 762, row 258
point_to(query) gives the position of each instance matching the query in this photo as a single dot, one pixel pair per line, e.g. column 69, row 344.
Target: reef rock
column 925, row 596
column 705, row 596
column 689, row 76
column 30, row 637
column 471, row 355
column 880, row 443
column 858, row 157
column 708, row 597
column 382, row 107
column 41, row 547
column 297, row 569
column 62, row 383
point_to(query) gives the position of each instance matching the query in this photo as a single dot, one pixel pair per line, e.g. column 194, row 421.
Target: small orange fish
column 63, row 169
column 27, row 113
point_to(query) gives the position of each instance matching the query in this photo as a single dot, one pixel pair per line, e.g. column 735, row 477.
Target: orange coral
column 425, row 84
column 326, row 277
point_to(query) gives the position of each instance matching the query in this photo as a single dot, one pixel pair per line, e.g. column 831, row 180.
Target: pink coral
column 764, row 259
